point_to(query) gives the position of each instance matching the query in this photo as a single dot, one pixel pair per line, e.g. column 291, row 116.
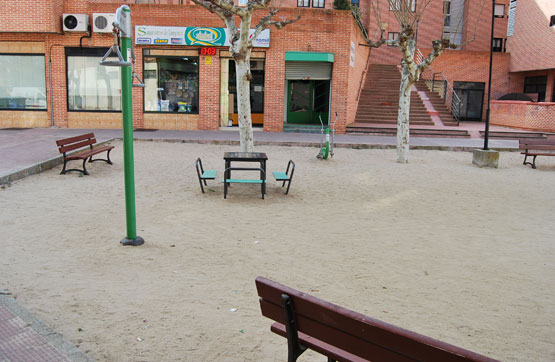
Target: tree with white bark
column 408, row 14
column 241, row 43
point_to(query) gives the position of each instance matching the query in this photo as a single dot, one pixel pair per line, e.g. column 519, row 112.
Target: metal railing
column 437, row 83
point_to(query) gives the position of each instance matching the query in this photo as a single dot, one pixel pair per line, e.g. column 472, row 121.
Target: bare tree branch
column 227, row 5
column 267, row 21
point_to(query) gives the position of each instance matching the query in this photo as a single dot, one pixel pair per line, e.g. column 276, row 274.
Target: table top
column 245, row 156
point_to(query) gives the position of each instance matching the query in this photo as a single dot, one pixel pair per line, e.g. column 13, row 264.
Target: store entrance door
column 471, row 95
column 256, row 90
column 307, row 101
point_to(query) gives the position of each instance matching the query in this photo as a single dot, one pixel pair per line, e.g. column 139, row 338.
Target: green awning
column 308, row 57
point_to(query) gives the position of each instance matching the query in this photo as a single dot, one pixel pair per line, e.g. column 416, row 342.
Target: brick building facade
column 324, row 44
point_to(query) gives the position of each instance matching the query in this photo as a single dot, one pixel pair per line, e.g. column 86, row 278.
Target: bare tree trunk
column 244, row 105
column 403, row 127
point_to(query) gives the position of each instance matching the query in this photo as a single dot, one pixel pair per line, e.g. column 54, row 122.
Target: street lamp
column 486, row 133
column 486, row 157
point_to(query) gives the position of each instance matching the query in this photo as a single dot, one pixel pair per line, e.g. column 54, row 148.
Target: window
column 392, row 36
column 397, row 5
column 171, row 84
column 499, row 11
column 303, row 3
column 318, row 3
column 22, row 82
column 536, row 84
column 91, row 86
column 497, row 45
column 355, row 2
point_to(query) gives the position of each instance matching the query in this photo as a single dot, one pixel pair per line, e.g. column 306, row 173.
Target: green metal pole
column 127, row 110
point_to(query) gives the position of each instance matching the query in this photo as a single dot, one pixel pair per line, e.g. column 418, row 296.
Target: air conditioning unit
column 102, row 22
column 76, row 22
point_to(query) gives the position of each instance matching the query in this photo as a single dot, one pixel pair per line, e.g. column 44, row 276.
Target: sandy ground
column 438, row 246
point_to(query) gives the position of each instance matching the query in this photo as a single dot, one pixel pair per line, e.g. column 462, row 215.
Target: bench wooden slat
column 75, row 146
column 88, row 153
column 75, row 139
column 319, row 346
column 361, row 335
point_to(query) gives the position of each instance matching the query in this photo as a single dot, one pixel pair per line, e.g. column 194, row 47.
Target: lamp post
column 485, row 157
column 486, row 133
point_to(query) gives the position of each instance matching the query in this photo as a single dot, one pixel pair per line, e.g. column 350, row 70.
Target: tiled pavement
column 23, row 338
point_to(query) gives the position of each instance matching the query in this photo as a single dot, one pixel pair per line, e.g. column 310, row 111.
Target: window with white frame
column 397, row 5
column 318, row 3
column 497, row 45
column 303, row 3
column 22, row 82
column 392, row 36
column 91, row 86
column 499, row 11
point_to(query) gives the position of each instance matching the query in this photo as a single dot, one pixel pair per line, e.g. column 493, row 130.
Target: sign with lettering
column 201, row 36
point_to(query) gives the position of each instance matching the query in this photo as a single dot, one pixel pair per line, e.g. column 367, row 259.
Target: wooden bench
column 285, row 176
column 344, row 335
column 78, row 142
column 535, row 148
column 204, row 175
column 228, row 181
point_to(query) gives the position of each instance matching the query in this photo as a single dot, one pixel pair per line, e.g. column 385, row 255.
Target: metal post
column 486, row 133
column 124, row 21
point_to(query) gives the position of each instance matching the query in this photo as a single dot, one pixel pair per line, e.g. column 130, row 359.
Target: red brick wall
column 466, row 66
column 319, row 30
column 533, row 36
column 30, row 16
column 478, row 9
column 525, row 115
column 357, row 74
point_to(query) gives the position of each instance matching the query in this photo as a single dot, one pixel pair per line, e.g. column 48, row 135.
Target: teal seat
column 286, row 176
column 204, row 175
column 231, row 180
column 209, row 175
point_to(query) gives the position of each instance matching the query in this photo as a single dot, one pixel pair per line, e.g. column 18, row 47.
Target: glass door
column 307, row 101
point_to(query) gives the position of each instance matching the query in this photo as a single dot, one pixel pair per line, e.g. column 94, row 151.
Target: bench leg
column 294, row 348
column 533, row 163
column 83, row 171
column 64, row 169
column 107, row 160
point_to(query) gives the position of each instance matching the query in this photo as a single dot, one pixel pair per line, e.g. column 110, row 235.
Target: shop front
column 308, row 77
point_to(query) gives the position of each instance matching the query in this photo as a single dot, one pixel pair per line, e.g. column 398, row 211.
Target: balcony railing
column 436, row 82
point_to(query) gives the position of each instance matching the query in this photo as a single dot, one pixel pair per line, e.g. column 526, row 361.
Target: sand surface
column 438, row 246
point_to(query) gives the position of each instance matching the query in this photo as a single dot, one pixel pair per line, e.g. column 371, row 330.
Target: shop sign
column 173, row 35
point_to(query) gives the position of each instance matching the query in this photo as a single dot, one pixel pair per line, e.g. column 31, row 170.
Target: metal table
column 259, row 157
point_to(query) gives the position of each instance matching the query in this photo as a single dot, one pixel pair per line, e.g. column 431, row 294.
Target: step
column 514, row 134
column 416, row 132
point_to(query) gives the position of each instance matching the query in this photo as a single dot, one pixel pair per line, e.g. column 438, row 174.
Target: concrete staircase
column 439, row 105
column 379, row 102
column 379, row 99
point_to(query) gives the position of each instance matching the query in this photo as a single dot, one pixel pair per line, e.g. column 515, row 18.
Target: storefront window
column 22, row 82
column 171, row 84
column 91, row 86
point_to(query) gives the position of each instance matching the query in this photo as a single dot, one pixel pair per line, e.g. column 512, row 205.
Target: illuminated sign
column 207, row 51
column 199, row 36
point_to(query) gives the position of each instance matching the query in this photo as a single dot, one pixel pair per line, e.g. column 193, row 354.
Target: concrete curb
column 53, row 162
column 55, row 340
